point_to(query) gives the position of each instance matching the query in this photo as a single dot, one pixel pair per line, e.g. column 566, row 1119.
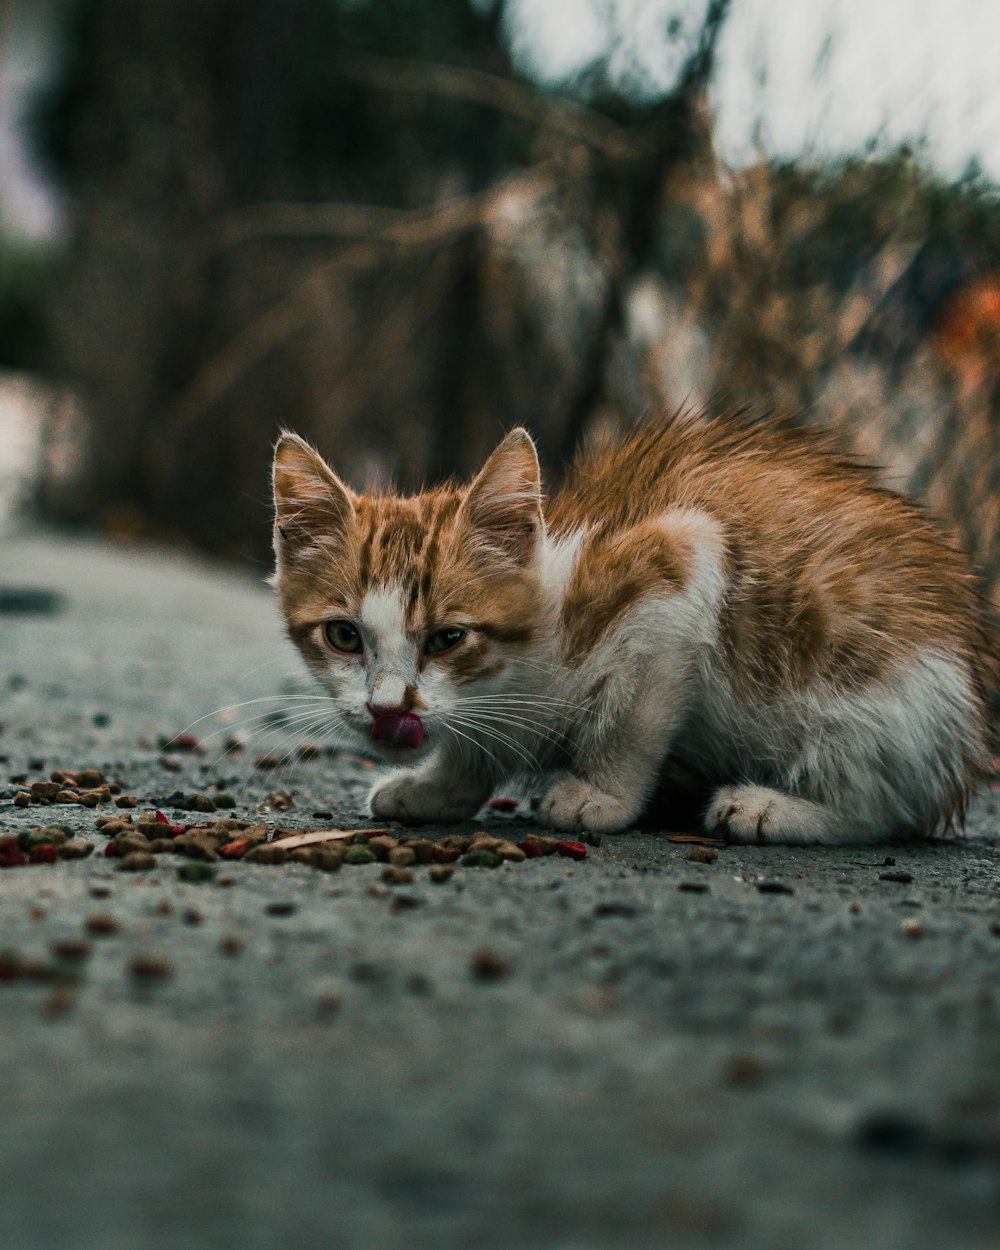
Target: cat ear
column 504, row 503
column 310, row 501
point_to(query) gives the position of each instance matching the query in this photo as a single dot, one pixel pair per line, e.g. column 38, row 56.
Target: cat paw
column 572, row 804
column 413, row 800
column 758, row 815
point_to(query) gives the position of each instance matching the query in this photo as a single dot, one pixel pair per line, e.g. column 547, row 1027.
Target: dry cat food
column 136, row 841
column 87, row 787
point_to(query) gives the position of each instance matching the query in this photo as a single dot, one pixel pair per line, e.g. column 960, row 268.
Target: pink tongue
column 398, row 731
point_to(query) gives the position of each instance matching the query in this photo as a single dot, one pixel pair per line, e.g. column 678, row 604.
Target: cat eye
column 343, row 636
column 443, row 640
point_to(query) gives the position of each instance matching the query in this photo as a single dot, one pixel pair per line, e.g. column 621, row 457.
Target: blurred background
column 400, row 226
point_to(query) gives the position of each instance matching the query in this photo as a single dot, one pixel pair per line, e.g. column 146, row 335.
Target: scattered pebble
column 150, row 967
column 487, row 965
column 102, row 924
column 196, row 871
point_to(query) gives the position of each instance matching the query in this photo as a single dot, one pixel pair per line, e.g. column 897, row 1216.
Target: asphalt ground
column 786, row 1047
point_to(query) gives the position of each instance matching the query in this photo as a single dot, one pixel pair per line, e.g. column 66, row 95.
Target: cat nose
column 387, row 701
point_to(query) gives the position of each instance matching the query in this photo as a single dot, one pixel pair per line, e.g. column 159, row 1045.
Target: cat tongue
column 398, row 731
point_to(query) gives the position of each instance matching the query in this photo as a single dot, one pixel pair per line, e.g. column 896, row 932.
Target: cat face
column 403, row 606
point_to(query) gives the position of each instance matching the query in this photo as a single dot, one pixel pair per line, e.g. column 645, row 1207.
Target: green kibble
column 591, row 837
column 359, row 839
column 224, row 801
column 480, row 859
column 196, row 870
column 360, row 855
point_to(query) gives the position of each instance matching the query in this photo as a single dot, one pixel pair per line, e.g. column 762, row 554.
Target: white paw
column 411, row 799
column 759, row 815
column 573, row 804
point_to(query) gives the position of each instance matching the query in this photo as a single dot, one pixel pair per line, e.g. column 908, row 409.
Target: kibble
column 136, row 861
column 360, row 855
column 703, row 854
column 392, row 875
column 439, row 873
column 487, row 965
column 102, row 924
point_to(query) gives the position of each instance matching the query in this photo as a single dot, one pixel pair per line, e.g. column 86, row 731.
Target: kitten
column 722, row 599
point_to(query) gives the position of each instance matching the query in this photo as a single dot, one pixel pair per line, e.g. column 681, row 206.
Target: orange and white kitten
column 719, row 599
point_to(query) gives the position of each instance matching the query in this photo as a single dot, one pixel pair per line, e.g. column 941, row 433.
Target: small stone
column 196, row 871
column 392, row 875
column 746, row 1071
column 487, row 965
column 703, row 854
column 150, row 967
column 58, row 1001
column 360, row 855
column 439, row 873
column 136, row 861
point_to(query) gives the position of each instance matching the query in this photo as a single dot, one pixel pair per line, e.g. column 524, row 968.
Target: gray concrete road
column 782, row 1048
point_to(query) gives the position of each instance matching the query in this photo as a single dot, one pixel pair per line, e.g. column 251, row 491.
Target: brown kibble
column 102, row 924
column 22, row 799
column 90, row 798
column 72, row 948
column 231, row 945
column 509, row 851
column 265, row 854
column 457, row 842
column 913, row 928
column 36, row 913
column 150, row 967
column 45, row 790
column 393, row 875
column 383, row 845
column 484, row 842
column 703, row 854
column 328, row 1004
column 445, row 854
column 88, row 778
column 855, row 909
column 165, row 907
column 196, row 846
column 487, row 965
column 126, row 800
column 160, row 846
column 402, row 856
column 439, row 873
column 421, row 848
column 136, row 861
column 115, row 823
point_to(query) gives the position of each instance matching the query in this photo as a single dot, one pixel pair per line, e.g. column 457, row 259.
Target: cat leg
column 440, row 790
column 618, row 755
column 760, row 815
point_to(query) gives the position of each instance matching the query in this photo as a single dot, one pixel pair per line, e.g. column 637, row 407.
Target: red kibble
column 532, row 848
column 571, row 850
column 44, row 853
column 11, row 855
column 236, row 849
